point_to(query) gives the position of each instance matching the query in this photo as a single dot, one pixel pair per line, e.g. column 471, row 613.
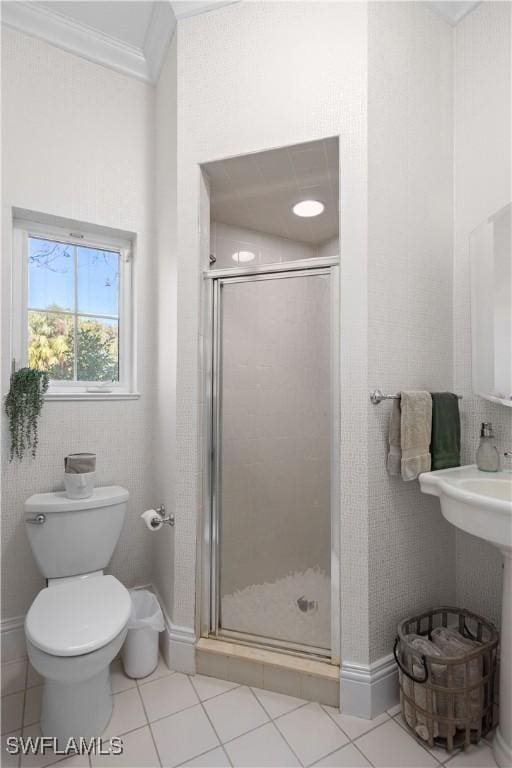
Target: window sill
column 51, row 396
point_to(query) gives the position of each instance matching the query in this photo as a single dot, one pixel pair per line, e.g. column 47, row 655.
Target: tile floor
column 170, row 719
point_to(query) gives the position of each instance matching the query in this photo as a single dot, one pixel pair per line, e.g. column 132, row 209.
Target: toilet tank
column 77, row 535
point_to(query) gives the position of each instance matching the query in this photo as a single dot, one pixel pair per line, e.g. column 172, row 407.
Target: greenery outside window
column 75, row 316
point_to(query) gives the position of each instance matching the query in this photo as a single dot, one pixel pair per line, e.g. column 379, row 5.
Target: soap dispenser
column 487, row 456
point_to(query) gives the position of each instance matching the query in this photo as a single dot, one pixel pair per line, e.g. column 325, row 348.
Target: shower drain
column 307, row 606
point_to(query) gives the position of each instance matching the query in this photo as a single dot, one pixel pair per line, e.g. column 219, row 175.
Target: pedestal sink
column 480, row 503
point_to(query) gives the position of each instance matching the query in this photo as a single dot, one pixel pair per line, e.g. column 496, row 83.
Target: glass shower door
column 273, row 415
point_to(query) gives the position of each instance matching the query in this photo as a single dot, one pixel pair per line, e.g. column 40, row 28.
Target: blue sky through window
column 51, row 278
column 98, row 282
column 50, row 275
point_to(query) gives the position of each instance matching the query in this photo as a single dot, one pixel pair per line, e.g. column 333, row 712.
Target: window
column 75, row 315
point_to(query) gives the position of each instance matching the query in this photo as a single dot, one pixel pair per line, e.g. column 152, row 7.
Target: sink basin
column 480, row 503
column 477, row 502
column 496, row 489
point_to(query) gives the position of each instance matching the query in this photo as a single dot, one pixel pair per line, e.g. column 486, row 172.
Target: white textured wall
column 244, row 85
column 164, row 431
column 409, row 295
column 482, row 186
column 78, row 143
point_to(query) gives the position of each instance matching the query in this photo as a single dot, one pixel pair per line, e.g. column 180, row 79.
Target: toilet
column 77, row 624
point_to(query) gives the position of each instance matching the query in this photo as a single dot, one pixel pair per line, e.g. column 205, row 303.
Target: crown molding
column 91, row 44
column 159, row 34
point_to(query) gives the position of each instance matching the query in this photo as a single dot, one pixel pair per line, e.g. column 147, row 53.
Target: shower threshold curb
column 320, row 669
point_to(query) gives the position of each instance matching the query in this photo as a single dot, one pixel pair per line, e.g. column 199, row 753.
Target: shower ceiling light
column 308, row 208
column 243, row 256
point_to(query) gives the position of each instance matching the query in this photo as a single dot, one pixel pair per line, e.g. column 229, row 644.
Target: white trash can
column 140, row 651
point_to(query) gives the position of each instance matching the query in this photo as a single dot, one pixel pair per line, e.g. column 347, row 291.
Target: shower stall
column 271, row 536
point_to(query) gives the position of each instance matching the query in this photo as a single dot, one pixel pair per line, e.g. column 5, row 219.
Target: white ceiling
column 184, row 8
column 453, row 11
column 258, row 191
column 126, row 21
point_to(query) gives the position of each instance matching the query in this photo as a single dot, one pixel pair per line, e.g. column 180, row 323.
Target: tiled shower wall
column 82, row 150
column 482, row 186
column 268, row 249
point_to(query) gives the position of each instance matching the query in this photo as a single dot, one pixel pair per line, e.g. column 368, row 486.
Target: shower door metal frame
column 209, row 619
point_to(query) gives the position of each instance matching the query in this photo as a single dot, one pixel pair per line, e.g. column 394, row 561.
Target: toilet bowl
column 74, row 630
column 77, row 624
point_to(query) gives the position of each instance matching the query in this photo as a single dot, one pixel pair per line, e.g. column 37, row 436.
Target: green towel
column 445, row 440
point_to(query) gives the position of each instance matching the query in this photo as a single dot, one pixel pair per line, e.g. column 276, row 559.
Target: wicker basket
column 443, row 701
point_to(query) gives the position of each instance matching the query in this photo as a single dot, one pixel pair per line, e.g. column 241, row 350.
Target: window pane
column 50, row 275
column 97, row 349
column 98, row 282
column 50, row 343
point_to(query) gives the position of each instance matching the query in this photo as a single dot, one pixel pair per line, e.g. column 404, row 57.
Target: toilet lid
column 78, row 616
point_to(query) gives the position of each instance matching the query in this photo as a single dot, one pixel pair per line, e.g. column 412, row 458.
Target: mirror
column 491, row 307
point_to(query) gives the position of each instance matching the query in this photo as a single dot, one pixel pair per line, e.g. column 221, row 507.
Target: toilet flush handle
column 37, row 520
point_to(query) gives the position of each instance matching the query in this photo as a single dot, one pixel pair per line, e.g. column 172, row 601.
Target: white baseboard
column 177, row 644
column 368, row 690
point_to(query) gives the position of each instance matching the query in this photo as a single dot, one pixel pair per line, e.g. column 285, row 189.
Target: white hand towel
column 415, row 432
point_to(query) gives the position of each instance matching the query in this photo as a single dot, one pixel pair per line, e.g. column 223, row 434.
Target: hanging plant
column 23, row 406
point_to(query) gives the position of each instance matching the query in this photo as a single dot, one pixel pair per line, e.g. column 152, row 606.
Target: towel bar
column 377, row 396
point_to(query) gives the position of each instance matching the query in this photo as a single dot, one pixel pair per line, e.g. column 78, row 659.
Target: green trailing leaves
column 23, row 406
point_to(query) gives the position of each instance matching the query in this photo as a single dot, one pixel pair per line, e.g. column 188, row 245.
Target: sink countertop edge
column 445, row 481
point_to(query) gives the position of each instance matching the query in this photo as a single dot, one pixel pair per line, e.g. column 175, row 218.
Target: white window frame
column 125, row 388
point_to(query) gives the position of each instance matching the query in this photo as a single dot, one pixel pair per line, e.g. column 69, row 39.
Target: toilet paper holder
column 162, row 517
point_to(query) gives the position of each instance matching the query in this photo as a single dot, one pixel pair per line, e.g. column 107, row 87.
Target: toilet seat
column 78, row 617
